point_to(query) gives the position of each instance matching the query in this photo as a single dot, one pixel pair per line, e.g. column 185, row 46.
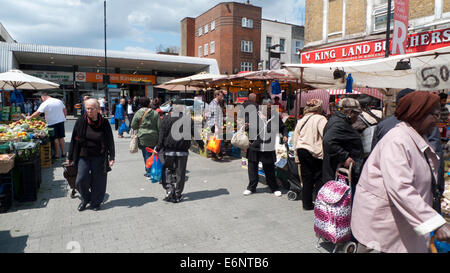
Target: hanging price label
column 433, row 77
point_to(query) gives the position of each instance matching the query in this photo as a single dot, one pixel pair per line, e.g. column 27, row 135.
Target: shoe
column 277, row 193
column 97, row 208
column 178, row 198
column 72, row 195
column 247, row 192
column 82, row 206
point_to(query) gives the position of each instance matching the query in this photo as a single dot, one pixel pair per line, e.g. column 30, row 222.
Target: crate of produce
column 6, row 162
column 26, row 151
column 46, row 156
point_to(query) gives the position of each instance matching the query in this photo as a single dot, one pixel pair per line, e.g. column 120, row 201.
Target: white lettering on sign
column 424, row 39
column 398, row 43
column 435, row 38
column 433, row 77
column 378, row 47
column 446, row 36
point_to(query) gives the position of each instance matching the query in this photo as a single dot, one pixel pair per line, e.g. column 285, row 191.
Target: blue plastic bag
column 156, row 170
column 123, row 128
column 441, row 247
column 112, row 120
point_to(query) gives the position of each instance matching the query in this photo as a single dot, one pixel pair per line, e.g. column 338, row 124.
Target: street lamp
column 106, row 76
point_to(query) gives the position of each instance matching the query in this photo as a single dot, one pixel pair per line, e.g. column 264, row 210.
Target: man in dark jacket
column 342, row 144
column 174, row 151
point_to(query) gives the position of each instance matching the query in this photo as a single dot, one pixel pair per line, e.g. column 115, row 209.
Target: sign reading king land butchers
column 418, row 42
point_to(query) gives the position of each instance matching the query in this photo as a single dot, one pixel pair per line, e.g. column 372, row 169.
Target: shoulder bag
column 134, row 138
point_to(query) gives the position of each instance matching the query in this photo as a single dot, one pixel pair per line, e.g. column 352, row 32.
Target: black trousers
column 311, row 168
column 91, row 180
column 174, row 173
column 269, row 171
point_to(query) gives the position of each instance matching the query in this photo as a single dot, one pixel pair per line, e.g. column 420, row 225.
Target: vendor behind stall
column 55, row 115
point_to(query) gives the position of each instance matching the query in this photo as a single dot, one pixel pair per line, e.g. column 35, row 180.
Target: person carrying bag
column 134, row 143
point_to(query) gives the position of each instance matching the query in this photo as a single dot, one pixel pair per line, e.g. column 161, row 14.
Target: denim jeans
column 91, row 180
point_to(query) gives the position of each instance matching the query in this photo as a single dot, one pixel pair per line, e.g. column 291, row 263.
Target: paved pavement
column 214, row 216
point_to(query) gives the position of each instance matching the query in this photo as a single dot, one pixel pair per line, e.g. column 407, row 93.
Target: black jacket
column 166, row 141
column 341, row 141
column 78, row 140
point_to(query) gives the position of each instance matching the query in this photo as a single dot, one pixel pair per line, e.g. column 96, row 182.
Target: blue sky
column 133, row 25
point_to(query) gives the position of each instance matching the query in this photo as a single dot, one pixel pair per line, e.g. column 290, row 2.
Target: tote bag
column 240, row 139
column 214, row 145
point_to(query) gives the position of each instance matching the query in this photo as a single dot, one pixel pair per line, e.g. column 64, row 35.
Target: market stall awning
column 16, row 79
column 428, row 71
column 358, row 91
column 200, row 79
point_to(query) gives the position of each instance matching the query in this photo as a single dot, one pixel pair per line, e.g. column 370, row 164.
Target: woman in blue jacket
column 120, row 115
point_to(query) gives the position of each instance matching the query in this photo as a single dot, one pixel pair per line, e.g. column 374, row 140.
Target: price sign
column 433, row 77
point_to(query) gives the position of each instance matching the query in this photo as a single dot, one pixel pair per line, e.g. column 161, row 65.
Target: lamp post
column 388, row 28
column 106, row 76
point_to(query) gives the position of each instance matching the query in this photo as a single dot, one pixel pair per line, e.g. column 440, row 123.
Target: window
column 380, row 15
column 206, row 28
column 248, row 23
column 213, row 25
column 246, row 66
column 247, row 46
column 199, row 51
column 282, row 45
column 268, row 42
column 200, row 31
column 298, row 45
column 212, row 49
column 206, row 49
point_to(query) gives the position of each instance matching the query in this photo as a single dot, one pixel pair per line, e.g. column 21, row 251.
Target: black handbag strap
column 434, row 188
column 301, row 128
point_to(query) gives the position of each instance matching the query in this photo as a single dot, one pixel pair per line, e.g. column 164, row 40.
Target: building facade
column 80, row 70
column 229, row 32
column 335, row 21
column 289, row 37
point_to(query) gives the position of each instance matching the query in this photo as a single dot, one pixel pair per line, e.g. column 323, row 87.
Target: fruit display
column 22, row 130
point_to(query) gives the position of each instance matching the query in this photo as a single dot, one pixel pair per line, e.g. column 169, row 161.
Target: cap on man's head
column 443, row 96
column 349, row 104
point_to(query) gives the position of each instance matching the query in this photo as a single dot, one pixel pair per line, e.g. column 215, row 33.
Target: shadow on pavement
column 129, row 202
column 192, row 196
column 9, row 244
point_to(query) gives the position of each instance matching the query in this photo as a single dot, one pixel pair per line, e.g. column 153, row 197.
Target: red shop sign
column 419, row 42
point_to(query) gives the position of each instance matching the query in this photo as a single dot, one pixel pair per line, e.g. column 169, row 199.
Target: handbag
column 134, row 142
column 240, row 139
column 434, row 189
column 112, row 120
column 214, row 145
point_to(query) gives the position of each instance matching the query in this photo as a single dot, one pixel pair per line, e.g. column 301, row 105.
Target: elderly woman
column 262, row 148
column 92, row 151
column 308, row 137
column 146, row 122
column 393, row 206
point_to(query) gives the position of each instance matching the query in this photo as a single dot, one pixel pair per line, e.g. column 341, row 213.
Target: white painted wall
column 276, row 30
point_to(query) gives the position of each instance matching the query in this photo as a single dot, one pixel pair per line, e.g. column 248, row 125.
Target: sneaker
column 247, row 192
column 277, row 193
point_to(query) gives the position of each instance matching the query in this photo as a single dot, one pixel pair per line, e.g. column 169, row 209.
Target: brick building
column 229, row 32
column 332, row 23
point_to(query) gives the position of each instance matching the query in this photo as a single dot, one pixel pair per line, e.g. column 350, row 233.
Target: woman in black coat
column 92, row 151
column 262, row 148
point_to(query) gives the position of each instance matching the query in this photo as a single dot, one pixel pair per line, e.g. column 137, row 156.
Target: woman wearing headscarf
column 308, row 137
column 393, row 206
column 92, row 151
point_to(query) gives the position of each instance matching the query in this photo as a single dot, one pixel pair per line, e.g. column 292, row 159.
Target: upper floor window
column 248, row 23
column 212, row 49
column 206, row 50
column 282, row 45
column 380, row 15
column 206, row 28
column 213, row 25
column 200, row 31
column 268, row 42
column 246, row 66
column 200, row 51
column 247, row 46
column 298, row 45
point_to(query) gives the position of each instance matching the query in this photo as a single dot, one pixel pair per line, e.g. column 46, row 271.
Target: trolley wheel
column 350, row 247
column 292, row 195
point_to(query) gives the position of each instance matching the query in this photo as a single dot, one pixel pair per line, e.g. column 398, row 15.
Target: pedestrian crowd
column 396, row 163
